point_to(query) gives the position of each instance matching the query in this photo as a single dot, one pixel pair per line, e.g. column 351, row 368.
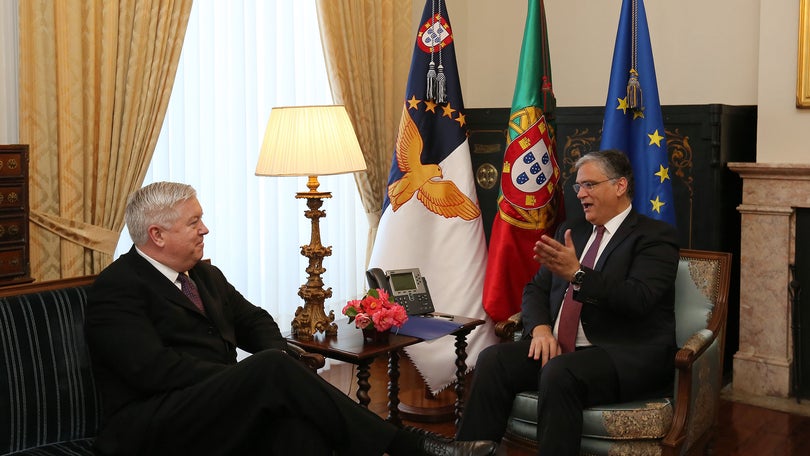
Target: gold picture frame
column 803, row 78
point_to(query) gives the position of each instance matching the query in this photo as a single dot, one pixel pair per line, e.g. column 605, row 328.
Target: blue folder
column 427, row 327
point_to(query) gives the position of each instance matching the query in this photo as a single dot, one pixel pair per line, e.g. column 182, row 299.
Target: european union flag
column 633, row 121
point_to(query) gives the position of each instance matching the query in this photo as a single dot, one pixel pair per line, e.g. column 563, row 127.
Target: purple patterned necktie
column 569, row 317
column 190, row 290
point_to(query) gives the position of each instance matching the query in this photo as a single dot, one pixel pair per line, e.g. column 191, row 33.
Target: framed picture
column 803, row 81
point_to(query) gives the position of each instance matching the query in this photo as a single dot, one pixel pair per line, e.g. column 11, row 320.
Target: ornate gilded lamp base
column 311, row 318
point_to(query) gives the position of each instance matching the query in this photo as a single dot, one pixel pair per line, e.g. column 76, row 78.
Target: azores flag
column 531, row 201
column 633, row 121
column 431, row 219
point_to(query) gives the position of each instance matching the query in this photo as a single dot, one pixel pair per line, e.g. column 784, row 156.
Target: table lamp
column 311, row 141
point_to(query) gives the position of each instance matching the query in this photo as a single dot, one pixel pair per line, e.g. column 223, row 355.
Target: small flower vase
column 372, row 336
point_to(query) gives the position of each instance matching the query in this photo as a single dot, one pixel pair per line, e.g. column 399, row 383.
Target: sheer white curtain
column 239, row 60
column 9, row 67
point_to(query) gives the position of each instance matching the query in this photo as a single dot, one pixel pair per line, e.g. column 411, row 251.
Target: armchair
column 676, row 425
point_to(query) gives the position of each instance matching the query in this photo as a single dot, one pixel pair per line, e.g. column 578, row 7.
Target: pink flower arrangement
column 375, row 311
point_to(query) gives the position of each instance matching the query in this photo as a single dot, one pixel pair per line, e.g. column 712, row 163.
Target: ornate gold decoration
column 652, row 422
column 486, row 176
column 576, row 145
column 803, row 74
column 312, row 318
column 680, row 158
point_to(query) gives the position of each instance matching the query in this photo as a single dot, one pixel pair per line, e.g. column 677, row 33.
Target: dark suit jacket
column 628, row 300
column 146, row 338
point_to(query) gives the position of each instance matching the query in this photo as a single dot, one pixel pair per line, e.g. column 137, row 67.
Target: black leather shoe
column 436, row 447
column 426, row 433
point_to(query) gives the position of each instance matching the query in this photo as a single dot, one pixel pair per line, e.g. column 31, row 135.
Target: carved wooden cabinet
column 14, row 247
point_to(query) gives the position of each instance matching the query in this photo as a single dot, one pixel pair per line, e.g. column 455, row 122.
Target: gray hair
column 613, row 163
column 154, row 204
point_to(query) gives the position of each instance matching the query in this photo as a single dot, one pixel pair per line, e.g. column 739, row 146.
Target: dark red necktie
column 190, row 290
column 569, row 317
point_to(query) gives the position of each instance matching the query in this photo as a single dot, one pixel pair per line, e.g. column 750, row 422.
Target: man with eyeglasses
column 599, row 323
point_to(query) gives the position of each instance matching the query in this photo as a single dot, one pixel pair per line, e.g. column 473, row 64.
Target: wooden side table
column 349, row 346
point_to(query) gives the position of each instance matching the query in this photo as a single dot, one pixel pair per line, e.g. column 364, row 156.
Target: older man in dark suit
column 163, row 329
column 598, row 317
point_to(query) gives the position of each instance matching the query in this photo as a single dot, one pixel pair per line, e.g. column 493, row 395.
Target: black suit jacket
column 147, row 339
column 628, row 300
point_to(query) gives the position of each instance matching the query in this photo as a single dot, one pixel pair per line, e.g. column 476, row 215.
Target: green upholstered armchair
column 676, row 425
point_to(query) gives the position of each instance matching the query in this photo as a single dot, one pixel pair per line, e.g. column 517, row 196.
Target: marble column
column 771, row 194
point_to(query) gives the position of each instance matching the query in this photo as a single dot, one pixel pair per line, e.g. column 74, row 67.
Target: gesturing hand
column 560, row 259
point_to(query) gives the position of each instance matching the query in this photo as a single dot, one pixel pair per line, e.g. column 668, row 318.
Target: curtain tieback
column 87, row 235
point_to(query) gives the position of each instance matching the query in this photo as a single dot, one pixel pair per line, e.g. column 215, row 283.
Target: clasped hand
column 561, row 260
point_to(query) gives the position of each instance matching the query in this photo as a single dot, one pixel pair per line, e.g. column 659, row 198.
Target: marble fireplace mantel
column 771, row 194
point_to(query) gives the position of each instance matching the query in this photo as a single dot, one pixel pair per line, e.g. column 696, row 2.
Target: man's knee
column 488, row 359
column 269, row 363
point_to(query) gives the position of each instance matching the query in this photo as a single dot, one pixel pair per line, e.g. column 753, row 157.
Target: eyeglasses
column 588, row 186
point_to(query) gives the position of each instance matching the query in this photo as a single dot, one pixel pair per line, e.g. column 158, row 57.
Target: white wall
column 701, row 54
column 737, row 52
column 782, row 128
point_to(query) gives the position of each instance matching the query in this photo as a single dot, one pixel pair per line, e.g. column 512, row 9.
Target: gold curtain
column 95, row 80
column 368, row 45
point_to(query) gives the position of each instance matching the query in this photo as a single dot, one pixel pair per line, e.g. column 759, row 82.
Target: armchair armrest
column 698, row 367
column 314, row 361
column 694, row 348
column 508, row 328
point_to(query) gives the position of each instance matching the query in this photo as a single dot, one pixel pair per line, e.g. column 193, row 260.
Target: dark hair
column 613, row 163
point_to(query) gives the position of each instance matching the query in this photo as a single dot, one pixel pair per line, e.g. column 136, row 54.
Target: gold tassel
column 634, row 91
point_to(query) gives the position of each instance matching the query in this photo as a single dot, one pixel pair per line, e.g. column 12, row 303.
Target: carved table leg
column 363, row 385
column 461, row 369
column 393, row 387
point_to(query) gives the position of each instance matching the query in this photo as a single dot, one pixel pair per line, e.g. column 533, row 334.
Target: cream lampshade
column 311, row 141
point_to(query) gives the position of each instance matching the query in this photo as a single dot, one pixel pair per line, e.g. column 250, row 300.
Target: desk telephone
column 407, row 287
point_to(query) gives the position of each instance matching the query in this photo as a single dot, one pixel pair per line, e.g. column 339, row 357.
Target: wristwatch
column 579, row 276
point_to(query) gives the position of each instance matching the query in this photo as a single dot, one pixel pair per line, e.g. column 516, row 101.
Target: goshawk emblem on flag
column 530, row 172
column 439, row 196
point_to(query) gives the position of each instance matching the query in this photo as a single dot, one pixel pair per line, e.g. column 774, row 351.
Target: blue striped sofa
column 48, row 399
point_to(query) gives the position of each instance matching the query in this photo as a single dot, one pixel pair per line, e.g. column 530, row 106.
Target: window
column 239, row 60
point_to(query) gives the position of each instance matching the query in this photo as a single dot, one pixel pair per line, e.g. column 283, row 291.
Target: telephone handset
column 407, row 288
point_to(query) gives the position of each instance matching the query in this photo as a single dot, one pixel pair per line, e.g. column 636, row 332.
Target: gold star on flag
column 622, row 104
column 448, row 111
column 656, row 204
column 638, row 113
column 655, row 138
column 413, row 103
column 430, row 106
column 663, row 173
column 461, row 120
